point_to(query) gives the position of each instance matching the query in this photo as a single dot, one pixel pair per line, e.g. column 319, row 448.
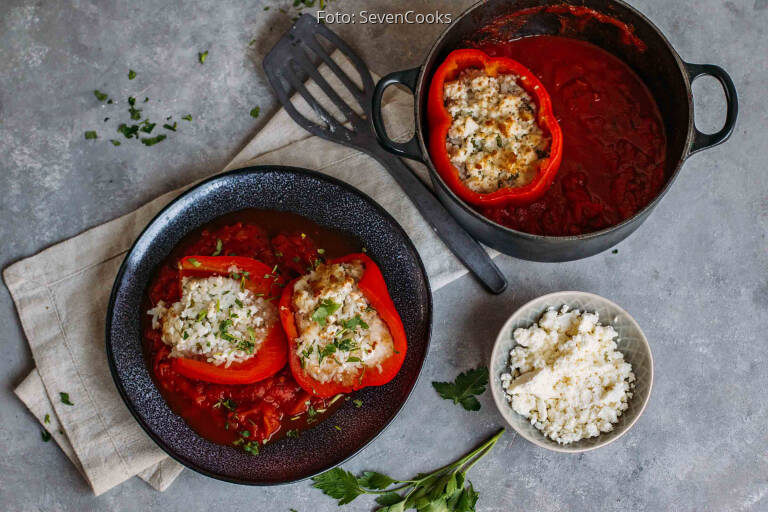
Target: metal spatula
column 291, row 63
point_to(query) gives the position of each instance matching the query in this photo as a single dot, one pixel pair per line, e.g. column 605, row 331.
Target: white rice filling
column 216, row 320
column 340, row 334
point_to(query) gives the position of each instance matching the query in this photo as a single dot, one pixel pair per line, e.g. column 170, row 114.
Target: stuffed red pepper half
column 225, row 327
column 343, row 330
column 493, row 137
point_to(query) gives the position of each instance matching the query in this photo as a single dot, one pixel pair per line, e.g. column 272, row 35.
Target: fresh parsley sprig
column 445, row 489
column 463, row 389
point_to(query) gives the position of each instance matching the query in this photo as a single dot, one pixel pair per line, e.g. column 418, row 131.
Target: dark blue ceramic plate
column 328, row 202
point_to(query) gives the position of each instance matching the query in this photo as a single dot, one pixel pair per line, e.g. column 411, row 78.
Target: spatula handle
column 463, row 246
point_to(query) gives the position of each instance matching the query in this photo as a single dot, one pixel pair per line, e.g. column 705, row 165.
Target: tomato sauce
column 614, row 144
column 252, row 414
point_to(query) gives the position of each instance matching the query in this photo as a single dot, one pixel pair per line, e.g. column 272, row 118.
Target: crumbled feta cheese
column 494, row 140
column 215, row 319
column 339, row 333
column 567, row 377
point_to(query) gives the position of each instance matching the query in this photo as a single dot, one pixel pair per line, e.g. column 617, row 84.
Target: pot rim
column 438, row 180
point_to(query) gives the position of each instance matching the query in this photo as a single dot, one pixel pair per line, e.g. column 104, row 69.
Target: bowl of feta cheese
column 571, row 371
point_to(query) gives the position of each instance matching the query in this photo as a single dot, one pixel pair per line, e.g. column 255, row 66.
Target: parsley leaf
column 358, row 403
column 47, row 419
column 147, row 127
column 326, row 307
column 115, row 142
column 201, row 56
column 65, row 398
column 498, row 141
column 374, row 480
column 218, row 243
column 91, row 135
column 338, row 484
column 151, row 141
column 251, row 447
column 463, row 389
column 172, row 128
column 100, row 95
column 128, row 131
column 228, row 404
column 352, row 323
column 194, row 262
column 292, row 433
column 187, row 117
column 255, row 112
column 45, row 435
column 131, row 74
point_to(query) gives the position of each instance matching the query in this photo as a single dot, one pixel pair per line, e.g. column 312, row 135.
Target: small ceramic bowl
column 631, row 342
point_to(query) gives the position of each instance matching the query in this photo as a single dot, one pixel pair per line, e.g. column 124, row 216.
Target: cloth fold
column 61, row 296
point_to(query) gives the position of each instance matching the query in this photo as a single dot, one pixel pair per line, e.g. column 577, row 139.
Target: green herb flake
column 227, row 404
column 65, row 398
column 321, row 251
column 337, row 428
column 171, row 127
column 194, row 262
column 251, row 447
column 100, row 95
column 255, row 111
column 358, row 403
column 47, row 419
column 89, row 135
column 129, row 132
column 201, row 56
column 498, row 141
column 292, row 433
column 151, row 141
column 463, row 389
column 147, row 127
column 131, row 74
column 326, row 307
column 115, row 142
column 615, row 251
column 45, row 435
column 201, row 315
column 187, row 117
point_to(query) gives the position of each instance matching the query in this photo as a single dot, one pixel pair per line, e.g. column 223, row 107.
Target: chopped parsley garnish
column 65, row 398
column 151, row 141
column 131, row 74
column 354, row 359
column 201, row 315
column 185, row 335
column 358, row 403
column 135, row 112
column 218, row 240
column 292, row 433
column 115, row 142
column 255, row 111
column 45, row 435
column 321, row 251
column 352, row 323
column 498, row 141
column 171, row 127
column 47, row 419
column 615, row 251
column 327, row 351
column 311, row 413
column 245, row 433
column 147, row 127
column 100, row 95
column 201, row 56
column 187, row 117
column 227, row 404
column 464, row 388
column 245, row 346
column 251, row 447
column 128, row 131
column 326, row 307
column 91, row 135
column 337, row 428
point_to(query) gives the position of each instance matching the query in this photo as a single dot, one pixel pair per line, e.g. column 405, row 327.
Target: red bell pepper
column 440, row 120
column 374, row 288
column 273, row 352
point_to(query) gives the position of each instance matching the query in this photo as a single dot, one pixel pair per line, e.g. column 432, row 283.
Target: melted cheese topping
column 494, row 140
column 215, row 319
column 340, row 335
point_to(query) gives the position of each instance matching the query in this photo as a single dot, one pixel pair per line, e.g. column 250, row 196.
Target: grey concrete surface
column 694, row 276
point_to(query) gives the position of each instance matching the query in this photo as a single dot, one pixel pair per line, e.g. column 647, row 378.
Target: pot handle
column 707, row 140
column 410, row 148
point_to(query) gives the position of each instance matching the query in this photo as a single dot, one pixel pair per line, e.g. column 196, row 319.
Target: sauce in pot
column 613, row 138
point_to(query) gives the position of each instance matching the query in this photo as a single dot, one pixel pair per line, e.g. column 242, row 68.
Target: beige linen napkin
column 61, row 296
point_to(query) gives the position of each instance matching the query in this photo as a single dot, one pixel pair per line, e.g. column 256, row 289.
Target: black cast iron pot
column 667, row 76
